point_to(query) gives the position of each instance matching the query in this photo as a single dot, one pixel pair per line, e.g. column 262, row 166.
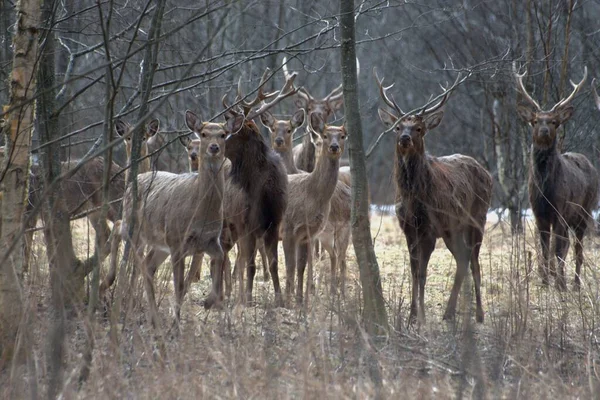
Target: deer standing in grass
column 445, row 197
column 255, row 189
column 310, row 202
column 335, row 237
column 124, row 130
column 182, row 214
column 192, row 147
column 563, row 188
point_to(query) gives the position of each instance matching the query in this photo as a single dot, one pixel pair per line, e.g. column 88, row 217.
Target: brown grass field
column 535, row 342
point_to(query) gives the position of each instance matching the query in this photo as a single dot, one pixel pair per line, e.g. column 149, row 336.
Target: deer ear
column 317, row 124
column 526, row 114
column 185, row 141
column 267, row 119
column 565, row 113
column 192, row 121
column 233, row 125
column 387, row 117
column 298, row 118
column 153, row 128
column 433, row 120
column 120, row 128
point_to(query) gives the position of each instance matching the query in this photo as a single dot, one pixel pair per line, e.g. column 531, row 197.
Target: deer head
column 324, row 107
column 192, row 147
column 123, row 129
column 281, row 132
column 328, row 138
column 212, row 135
column 545, row 123
column 411, row 127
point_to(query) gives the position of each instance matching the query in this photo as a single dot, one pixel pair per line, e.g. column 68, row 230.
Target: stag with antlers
column 563, row 188
column 445, row 197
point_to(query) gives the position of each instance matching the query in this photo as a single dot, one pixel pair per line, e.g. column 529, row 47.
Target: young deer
column 182, row 214
column 445, row 197
column 124, row 129
column 563, row 188
column 192, row 147
column 309, row 203
column 336, row 234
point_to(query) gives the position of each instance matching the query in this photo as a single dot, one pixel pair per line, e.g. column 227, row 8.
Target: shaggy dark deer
column 192, row 147
column 256, row 188
column 182, row 214
column 335, row 237
column 309, row 203
column 445, row 197
column 563, row 188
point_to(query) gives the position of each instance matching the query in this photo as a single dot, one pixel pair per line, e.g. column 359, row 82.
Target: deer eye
column 554, row 122
column 419, row 129
column 343, row 137
column 398, row 128
column 289, row 131
column 222, row 136
column 203, row 135
column 324, row 136
column 129, row 138
column 534, row 122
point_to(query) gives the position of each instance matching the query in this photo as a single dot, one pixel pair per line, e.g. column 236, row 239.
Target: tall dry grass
column 535, row 343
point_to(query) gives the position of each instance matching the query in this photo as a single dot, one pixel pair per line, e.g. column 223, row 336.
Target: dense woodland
column 95, row 63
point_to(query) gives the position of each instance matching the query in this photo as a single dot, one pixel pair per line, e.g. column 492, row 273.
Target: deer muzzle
column 214, row 149
column 279, row 142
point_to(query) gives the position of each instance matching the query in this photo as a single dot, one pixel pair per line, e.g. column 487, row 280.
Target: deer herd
column 242, row 190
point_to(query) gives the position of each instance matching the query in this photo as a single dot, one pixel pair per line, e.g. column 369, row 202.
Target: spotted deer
column 436, row 197
column 563, row 188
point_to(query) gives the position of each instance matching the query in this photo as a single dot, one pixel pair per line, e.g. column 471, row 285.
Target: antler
column 445, row 95
column 596, row 97
column 522, row 89
column 287, row 90
column 576, row 88
column 383, row 93
column 260, row 96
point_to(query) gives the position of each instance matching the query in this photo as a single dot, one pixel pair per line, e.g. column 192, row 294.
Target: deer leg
column 561, row 237
column 462, row 254
column 109, row 279
column 303, row 249
column 414, row 271
column 102, row 235
column 290, row 253
column 250, row 251
column 544, row 231
column 178, row 261
column 218, row 256
column 153, row 259
column 426, row 247
column 196, row 266
column 262, row 249
column 578, row 257
column 327, row 244
column 309, row 275
column 194, row 271
column 476, row 238
column 270, row 242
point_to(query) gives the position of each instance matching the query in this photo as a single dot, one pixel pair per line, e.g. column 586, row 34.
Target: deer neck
column 323, row 178
column 413, row 175
column 288, row 160
column 249, row 158
column 211, row 181
column 545, row 163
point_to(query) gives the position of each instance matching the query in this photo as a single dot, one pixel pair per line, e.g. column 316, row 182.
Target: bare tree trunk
column 14, row 182
column 374, row 313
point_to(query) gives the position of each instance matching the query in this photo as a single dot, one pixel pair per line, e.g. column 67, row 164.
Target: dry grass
column 535, row 342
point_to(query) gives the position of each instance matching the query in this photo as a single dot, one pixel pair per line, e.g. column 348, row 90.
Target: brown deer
column 445, row 197
column 182, row 214
column 192, row 147
column 309, row 203
column 336, row 234
column 256, row 188
column 563, row 188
